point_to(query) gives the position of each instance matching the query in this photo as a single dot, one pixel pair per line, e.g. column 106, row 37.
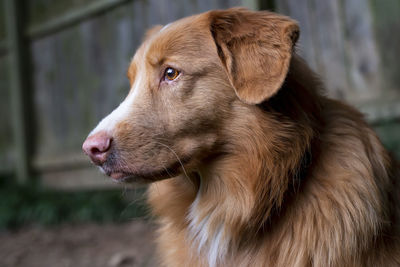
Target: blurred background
column 62, row 69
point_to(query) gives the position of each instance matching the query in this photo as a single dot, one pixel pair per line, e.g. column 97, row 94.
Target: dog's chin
column 142, row 177
column 144, row 174
column 124, row 177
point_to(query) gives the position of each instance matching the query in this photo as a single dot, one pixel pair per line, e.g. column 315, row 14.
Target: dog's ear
column 255, row 48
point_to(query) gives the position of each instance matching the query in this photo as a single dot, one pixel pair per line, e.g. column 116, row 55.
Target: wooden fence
column 355, row 47
column 63, row 65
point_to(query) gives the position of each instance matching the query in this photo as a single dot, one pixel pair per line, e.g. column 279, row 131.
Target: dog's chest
column 207, row 235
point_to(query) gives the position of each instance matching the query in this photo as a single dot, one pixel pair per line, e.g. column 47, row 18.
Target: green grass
column 31, row 204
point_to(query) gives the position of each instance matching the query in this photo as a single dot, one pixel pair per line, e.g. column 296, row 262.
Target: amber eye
column 171, row 74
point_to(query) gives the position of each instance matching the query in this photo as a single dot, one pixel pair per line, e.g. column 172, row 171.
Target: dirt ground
column 87, row 245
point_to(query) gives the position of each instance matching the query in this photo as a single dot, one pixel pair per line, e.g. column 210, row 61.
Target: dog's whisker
column 183, row 168
column 176, row 155
column 166, row 170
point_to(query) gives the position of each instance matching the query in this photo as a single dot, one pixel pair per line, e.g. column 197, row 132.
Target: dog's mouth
column 147, row 175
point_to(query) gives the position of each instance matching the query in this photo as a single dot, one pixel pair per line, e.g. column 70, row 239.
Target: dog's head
column 185, row 80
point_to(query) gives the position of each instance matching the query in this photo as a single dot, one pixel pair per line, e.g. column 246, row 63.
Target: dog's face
column 185, row 79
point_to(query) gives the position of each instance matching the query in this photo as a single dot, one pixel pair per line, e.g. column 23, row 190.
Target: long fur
column 301, row 181
column 270, row 172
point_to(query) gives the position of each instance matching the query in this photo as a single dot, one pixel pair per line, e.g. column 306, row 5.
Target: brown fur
column 269, row 172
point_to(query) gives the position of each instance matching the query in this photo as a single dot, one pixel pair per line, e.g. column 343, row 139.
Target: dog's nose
column 96, row 146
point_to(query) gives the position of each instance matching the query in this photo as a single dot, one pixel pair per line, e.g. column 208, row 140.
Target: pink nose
column 96, row 146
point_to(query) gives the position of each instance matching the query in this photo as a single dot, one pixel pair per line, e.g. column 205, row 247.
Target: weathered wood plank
column 352, row 46
column 251, row 4
column 321, row 40
column 71, row 17
column 386, row 25
column 303, row 14
column 41, row 11
column 19, row 88
column 2, row 21
column 79, row 77
column 329, row 38
column 6, row 134
column 362, row 57
column 3, row 47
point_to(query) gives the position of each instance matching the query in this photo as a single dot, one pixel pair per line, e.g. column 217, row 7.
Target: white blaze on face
column 213, row 243
column 122, row 111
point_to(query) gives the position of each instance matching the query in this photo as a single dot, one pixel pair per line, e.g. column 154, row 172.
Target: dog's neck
column 243, row 190
column 230, row 200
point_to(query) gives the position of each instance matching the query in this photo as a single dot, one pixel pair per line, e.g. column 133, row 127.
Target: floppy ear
column 255, row 48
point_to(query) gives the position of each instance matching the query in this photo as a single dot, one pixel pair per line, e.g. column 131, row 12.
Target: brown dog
column 264, row 170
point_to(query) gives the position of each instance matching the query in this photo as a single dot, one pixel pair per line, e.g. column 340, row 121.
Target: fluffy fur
column 266, row 170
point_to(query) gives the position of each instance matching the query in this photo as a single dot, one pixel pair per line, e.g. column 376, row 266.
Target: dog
column 249, row 163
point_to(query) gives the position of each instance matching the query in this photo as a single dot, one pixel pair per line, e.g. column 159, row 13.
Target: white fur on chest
column 208, row 236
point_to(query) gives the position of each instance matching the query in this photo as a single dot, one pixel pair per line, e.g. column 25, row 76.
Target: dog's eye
column 171, row 74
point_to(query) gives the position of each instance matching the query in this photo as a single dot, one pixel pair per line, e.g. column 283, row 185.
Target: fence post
column 18, row 86
column 251, row 4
